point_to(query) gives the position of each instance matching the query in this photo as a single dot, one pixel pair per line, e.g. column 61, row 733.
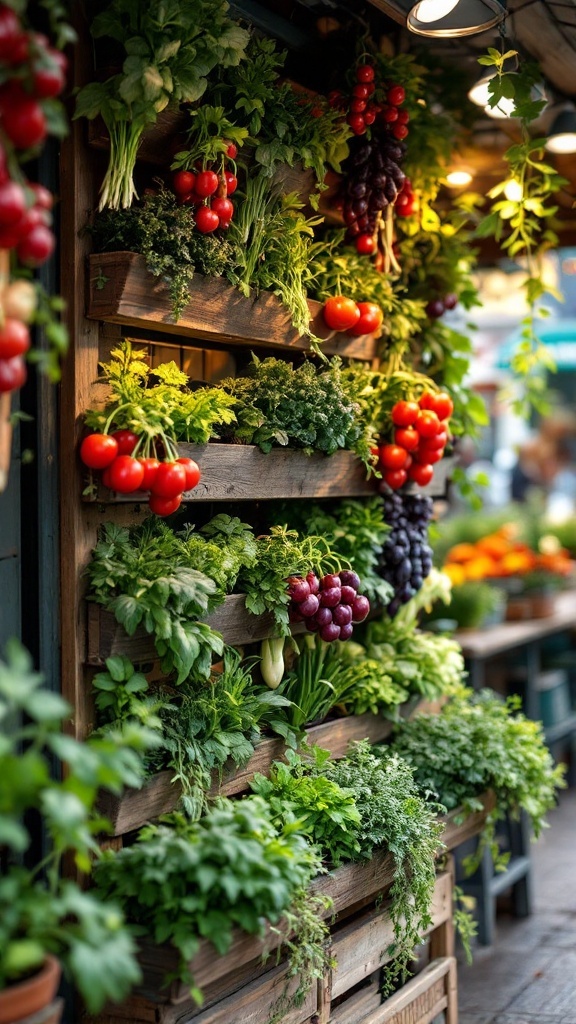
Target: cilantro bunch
column 300, row 407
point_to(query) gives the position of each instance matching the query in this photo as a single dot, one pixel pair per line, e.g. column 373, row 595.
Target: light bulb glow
column 479, row 94
column 432, row 10
column 504, row 109
column 513, row 190
column 564, row 143
column 458, row 179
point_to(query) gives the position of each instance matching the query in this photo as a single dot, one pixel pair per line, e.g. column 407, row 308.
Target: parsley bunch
column 185, row 881
column 300, row 407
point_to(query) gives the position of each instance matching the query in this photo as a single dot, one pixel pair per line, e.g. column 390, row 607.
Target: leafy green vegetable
column 164, row 232
column 184, row 881
column 169, row 47
column 479, row 742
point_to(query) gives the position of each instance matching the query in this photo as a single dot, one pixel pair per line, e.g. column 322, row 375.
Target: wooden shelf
column 160, row 795
column 121, row 290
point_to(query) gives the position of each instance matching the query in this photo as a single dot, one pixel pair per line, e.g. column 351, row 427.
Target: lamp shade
column 562, row 134
column 445, row 19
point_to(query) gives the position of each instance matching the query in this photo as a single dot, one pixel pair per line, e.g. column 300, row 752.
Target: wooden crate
column 419, row 1001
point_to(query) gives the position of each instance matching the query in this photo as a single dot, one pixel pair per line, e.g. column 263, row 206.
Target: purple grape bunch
column 329, row 606
column 373, row 179
column 406, row 558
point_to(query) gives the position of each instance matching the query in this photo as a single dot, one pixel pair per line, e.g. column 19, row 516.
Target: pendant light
column 451, row 18
column 562, row 135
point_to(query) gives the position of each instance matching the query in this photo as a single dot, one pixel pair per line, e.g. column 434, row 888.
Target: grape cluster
column 406, row 557
column 373, row 179
column 329, row 606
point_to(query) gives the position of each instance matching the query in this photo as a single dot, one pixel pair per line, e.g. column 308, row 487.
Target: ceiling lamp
column 458, row 178
column 449, row 18
column 562, row 134
column 480, row 95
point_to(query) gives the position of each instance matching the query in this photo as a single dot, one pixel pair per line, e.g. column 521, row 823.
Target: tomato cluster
column 343, row 314
column 420, row 436
column 406, row 204
column 208, row 192
column 32, row 72
column 329, row 606
column 126, row 472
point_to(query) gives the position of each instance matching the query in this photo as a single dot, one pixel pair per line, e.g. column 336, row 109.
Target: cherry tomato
column 357, row 123
column 392, row 456
column 440, row 403
column 164, row 506
column 400, row 132
column 427, row 423
column 404, row 413
column 12, row 373
column 231, row 182
column 430, row 455
column 395, row 478
column 389, row 115
column 232, row 151
column 206, row 220
column 223, row 208
column 42, row 196
column 365, row 244
column 340, row 313
column 24, row 122
column 369, row 116
column 12, row 203
column 36, row 246
column 403, row 117
column 149, row 465
column 170, row 480
column 365, row 73
column 48, row 81
column 106, row 477
column 126, row 441
column 421, row 473
column 360, row 92
column 126, row 474
column 14, row 338
column 183, row 182
column 371, row 318
column 407, row 438
column 432, row 444
column 358, row 106
column 98, row 450
column 192, row 472
column 396, row 95
column 10, row 29
column 206, row 183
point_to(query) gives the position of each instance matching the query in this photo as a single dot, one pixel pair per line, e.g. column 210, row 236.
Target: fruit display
column 329, row 606
column 356, row 318
column 406, row 558
column 421, row 433
column 502, row 554
column 208, row 191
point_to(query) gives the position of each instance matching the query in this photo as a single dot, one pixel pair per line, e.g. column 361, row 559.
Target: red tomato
column 206, row 183
column 371, row 318
column 170, row 480
column 192, row 472
column 36, row 246
column 12, row 373
column 24, row 123
column 340, row 313
column 9, row 31
column 149, row 465
column 98, row 450
column 106, row 477
column 400, row 132
column 232, row 151
column 404, row 413
column 407, row 438
column 393, row 457
column 358, row 106
column 389, row 115
column 361, row 92
column 206, row 220
column 231, row 182
column 431, row 455
column 365, row 244
column 12, row 203
column 427, row 423
column 48, row 81
column 365, row 73
column 403, row 117
column 183, row 182
column 395, row 478
column 396, row 95
column 14, row 338
column 164, row 506
column 224, row 209
column 432, row 444
column 441, row 404
column 421, row 473
column 126, row 474
column 126, row 440
column 357, row 123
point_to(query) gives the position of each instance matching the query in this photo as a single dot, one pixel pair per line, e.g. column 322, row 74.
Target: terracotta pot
column 27, row 997
column 530, row 606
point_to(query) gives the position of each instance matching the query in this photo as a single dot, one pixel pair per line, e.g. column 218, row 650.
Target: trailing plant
column 143, row 576
column 40, row 912
column 479, row 742
column 304, row 407
column 164, row 232
column 523, row 226
column 308, row 948
column 315, row 804
column 167, row 48
column 395, row 816
column 355, row 529
column 232, row 868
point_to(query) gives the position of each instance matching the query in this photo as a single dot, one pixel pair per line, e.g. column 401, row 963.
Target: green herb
column 142, row 576
column 169, row 49
column 478, row 742
column 165, row 412
column 209, row 138
column 165, row 233
column 231, row 868
column 302, row 408
column 308, row 948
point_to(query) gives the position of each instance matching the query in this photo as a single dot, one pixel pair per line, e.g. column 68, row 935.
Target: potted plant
column 48, row 786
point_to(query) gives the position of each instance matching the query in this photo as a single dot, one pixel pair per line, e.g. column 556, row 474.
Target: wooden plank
column 358, row 1005
column 254, row 1003
column 420, row 1000
column 122, row 291
column 361, row 948
column 236, row 472
column 486, row 643
column 160, row 795
column 458, row 829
